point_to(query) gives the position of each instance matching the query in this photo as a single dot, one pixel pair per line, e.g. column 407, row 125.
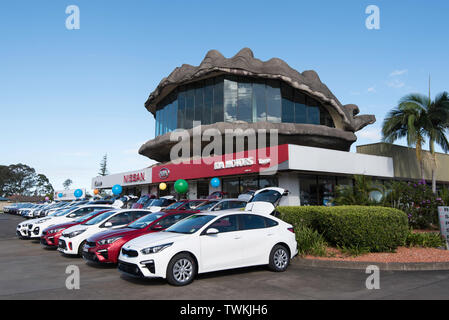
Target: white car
column 210, row 241
column 36, row 226
column 161, row 203
column 73, row 239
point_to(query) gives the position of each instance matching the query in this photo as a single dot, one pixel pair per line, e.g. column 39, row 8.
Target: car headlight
column 55, row 230
column 43, row 220
column 74, row 233
column 156, row 249
column 109, row 240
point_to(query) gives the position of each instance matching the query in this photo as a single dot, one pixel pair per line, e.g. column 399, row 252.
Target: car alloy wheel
column 280, row 258
column 182, row 270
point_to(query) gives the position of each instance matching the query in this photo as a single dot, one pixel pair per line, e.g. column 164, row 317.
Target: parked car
column 50, row 236
column 144, row 201
column 217, row 195
column 35, row 227
column 210, row 241
column 161, row 203
column 104, row 247
column 73, row 239
column 224, row 204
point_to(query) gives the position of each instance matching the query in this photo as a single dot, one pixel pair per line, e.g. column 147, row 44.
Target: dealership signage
column 164, row 173
column 134, row 177
column 443, row 214
column 242, row 162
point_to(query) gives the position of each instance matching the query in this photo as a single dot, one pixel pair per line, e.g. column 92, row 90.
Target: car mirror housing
column 212, row 231
column 157, row 227
column 108, row 224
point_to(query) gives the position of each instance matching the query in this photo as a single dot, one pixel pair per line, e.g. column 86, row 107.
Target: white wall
column 110, row 180
column 289, row 181
column 332, row 161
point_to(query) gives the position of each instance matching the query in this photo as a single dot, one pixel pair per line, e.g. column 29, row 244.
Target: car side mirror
column 212, row 231
column 72, row 215
column 108, row 224
column 157, row 227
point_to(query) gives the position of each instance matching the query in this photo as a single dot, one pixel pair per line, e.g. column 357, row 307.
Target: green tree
column 104, row 166
column 66, row 184
column 20, row 179
column 418, row 119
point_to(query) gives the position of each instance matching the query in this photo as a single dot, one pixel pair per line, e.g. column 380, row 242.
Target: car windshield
column 159, row 202
column 145, row 220
column 206, row 206
column 271, row 196
column 99, row 218
column 174, row 205
column 64, row 212
column 143, row 199
column 191, row 224
column 87, row 216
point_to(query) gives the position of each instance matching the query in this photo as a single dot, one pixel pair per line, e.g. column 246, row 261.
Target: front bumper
column 147, row 266
column 99, row 254
column 50, row 240
column 68, row 245
column 22, row 232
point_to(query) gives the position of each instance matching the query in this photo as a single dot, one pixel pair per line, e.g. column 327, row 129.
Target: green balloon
column 181, row 186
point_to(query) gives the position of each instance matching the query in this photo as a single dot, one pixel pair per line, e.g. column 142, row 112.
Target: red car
column 50, row 236
column 104, row 247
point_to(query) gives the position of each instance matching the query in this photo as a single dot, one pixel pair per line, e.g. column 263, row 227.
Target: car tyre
column 181, row 270
column 80, row 248
column 279, row 258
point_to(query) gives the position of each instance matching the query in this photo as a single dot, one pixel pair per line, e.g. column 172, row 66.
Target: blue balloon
column 60, row 195
column 215, row 182
column 78, row 193
column 117, row 189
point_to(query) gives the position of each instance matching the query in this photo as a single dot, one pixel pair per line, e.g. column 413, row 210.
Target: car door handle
column 270, row 234
column 237, row 237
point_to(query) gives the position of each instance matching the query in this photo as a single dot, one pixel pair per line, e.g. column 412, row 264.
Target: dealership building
column 301, row 141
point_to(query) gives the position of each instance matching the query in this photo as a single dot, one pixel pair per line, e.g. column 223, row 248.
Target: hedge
column 371, row 228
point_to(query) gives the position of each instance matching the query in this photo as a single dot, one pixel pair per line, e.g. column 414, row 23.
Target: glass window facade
column 232, row 98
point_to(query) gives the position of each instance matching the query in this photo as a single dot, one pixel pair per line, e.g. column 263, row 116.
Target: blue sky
column 68, row 97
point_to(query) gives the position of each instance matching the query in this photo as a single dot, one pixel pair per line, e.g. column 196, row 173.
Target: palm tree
column 418, row 118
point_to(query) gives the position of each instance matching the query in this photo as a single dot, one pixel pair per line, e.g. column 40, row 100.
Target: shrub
column 424, row 239
column 310, row 241
column 360, row 228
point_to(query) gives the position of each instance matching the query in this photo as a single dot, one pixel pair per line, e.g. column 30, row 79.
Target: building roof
column 244, row 64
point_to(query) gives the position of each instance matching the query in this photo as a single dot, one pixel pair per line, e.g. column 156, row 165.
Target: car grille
column 130, row 253
column 90, row 256
column 129, row 268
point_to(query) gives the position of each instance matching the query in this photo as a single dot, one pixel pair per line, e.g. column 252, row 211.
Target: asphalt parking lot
column 29, row 271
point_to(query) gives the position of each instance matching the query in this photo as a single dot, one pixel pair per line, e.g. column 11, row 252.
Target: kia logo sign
column 164, row 173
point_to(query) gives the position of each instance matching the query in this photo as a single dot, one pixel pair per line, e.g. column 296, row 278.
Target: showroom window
column 232, row 98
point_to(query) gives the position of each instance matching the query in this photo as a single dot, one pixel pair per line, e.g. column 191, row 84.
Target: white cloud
column 372, row 89
column 396, row 73
column 373, row 134
column 396, row 84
